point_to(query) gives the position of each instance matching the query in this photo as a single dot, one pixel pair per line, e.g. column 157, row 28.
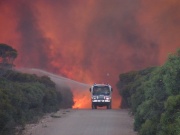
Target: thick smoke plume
column 91, row 41
column 34, row 44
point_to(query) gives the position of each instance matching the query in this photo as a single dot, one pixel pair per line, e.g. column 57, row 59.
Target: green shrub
column 25, row 97
column 153, row 94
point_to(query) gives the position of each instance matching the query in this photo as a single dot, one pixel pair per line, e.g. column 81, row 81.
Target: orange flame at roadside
column 82, row 100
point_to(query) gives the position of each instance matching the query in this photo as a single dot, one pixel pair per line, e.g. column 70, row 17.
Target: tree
column 7, row 56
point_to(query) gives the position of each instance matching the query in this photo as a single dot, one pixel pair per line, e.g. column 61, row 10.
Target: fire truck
column 101, row 95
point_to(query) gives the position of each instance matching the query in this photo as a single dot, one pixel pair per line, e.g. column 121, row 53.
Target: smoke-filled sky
column 90, row 40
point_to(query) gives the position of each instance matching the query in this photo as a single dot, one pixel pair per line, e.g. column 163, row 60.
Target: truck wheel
column 109, row 106
column 94, row 106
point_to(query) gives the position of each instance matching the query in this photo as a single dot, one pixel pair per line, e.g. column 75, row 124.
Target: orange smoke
column 90, row 41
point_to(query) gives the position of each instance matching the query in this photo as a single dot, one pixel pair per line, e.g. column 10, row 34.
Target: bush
column 170, row 119
column 153, row 94
column 24, row 97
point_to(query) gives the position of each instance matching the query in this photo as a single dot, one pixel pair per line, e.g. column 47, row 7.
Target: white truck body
column 101, row 95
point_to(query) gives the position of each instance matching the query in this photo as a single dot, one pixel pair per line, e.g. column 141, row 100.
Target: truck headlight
column 94, row 98
column 108, row 98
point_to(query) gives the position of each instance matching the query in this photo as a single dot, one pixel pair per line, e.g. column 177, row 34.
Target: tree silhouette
column 7, row 56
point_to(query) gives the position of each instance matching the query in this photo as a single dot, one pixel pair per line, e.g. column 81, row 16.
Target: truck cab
column 101, row 95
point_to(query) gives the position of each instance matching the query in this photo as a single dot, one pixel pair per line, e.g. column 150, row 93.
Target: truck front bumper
column 101, row 101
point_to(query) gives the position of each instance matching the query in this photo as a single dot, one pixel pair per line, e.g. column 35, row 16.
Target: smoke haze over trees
column 130, row 34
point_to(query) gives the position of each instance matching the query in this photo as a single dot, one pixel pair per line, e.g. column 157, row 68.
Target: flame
column 82, row 100
column 90, row 41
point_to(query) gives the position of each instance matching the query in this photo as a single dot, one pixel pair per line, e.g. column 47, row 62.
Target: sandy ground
column 83, row 122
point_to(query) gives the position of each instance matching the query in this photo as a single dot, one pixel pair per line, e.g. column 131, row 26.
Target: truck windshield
column 101, row 90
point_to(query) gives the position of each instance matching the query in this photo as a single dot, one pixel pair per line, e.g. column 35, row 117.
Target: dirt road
column 86, row 122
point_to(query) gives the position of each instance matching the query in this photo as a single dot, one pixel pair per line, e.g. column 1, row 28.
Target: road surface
column 85, row 122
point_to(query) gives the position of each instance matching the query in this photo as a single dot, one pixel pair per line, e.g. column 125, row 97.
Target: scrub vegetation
column 153, row 95
column 24, row 98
